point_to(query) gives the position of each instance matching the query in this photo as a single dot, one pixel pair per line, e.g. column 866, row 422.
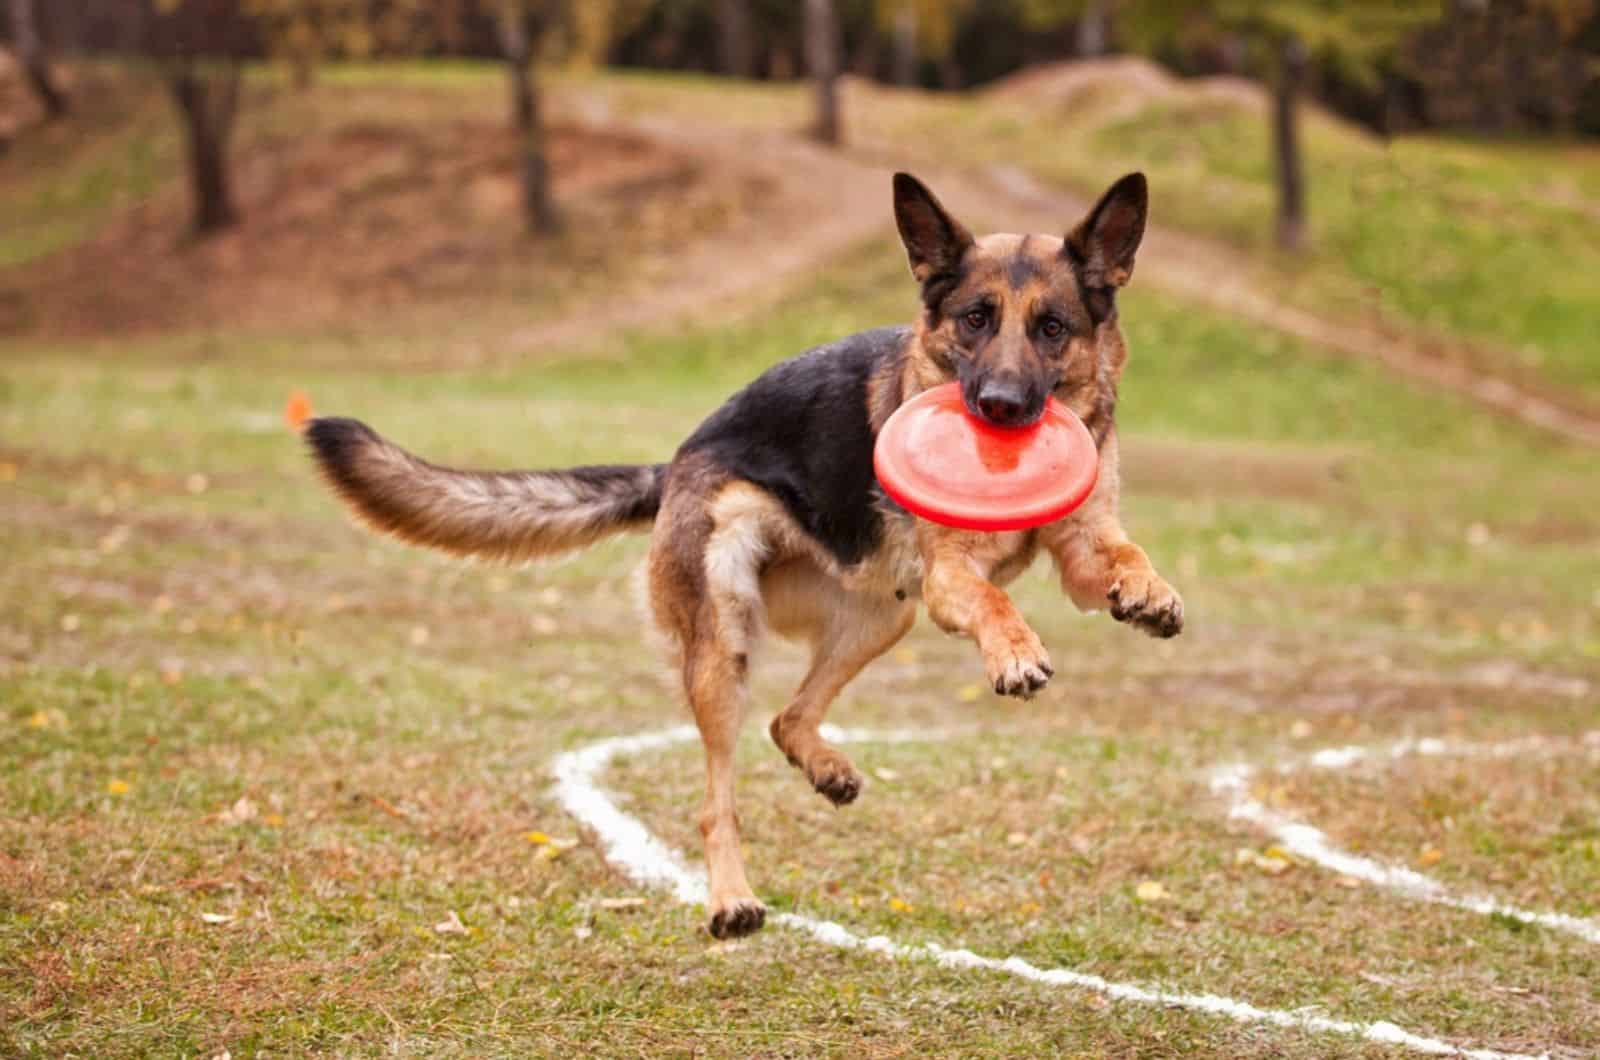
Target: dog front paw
column 735, row 917
column 1018, row 665
column 1142, row 598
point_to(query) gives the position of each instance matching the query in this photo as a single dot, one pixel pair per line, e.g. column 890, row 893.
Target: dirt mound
column 1065, row 82
column 373, row 217
column 1126, row 82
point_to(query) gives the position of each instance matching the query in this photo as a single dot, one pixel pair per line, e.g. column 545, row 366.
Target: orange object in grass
column 297, row 411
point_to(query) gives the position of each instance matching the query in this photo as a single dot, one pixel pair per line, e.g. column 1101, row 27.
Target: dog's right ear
column 935, row 241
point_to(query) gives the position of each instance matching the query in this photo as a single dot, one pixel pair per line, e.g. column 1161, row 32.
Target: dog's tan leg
column 962, row 599
column 853, row 637
column 1100, row 566
column 716, row 686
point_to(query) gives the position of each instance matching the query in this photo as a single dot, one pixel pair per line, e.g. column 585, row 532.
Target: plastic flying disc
column 939, row 461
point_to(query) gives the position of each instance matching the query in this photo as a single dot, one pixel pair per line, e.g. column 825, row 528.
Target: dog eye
column 1051, row 328
column 978, row 319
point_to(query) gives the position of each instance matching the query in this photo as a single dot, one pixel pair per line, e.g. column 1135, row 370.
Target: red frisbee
column 939, row 461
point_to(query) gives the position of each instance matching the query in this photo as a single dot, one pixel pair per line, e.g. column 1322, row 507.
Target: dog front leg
column 961, row 599
column 1100, row 566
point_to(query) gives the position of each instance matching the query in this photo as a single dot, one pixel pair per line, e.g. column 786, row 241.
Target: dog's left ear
column 1103, row 244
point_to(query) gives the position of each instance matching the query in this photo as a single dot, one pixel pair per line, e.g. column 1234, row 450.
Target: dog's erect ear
column 1103, row 244
column 934, row 240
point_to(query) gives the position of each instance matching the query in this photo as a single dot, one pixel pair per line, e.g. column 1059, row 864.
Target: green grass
column 388, row 715
column 60, row 186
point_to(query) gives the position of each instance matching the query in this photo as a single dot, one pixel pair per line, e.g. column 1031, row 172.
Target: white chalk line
column 1310, row 843
column 634, row 849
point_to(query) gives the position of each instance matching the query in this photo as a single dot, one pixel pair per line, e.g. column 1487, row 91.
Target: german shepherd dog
column 769, row 516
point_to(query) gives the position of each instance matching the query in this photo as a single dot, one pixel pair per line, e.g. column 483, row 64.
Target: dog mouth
column 1009, row 410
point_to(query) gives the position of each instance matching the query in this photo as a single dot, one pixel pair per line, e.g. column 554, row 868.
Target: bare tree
column 207, row 96
column 822, row 60
column 1093, row 29
column 31, row 54
column 905, row 45
column 1286, row 144
column 521, row 28
column 734, row 40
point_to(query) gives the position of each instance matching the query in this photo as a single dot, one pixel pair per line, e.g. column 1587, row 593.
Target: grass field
column 276, row 787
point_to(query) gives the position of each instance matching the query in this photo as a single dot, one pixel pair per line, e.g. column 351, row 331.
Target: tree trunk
column 1092, row 29
column 539, row 215
column 1286, row 146
column 208, row 102
column 30, row 53
column 822, row 58
column 733, row 40
column 905, row 45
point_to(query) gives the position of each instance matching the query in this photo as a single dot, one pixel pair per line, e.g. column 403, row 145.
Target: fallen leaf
column 905, row 656
column 70, row 623
column 241, row 812
column 1300, row 729
column 886, row 774
column 216, row 918
column 900, row 906
column 419, row 635
column 1430, row 856
column 1151, row 891
column 388, row 807
column 8, row 471
column 969, row 693
column 39, row 720
column 297, row 410
column 196, row 483
column 1349, row 883
column 1275, row 861
column 554, row 848
column 538, row 838
column 451, row 925
column 118, row 787
column 621, row 903
column 1016, row 839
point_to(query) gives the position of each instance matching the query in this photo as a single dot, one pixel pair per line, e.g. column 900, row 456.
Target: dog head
column 1014, row 318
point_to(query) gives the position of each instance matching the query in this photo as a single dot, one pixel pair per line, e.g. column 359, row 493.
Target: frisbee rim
column 965, row 517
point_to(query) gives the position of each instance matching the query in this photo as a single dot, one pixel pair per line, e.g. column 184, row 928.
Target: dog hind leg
column 716, row 689
column 855, row 632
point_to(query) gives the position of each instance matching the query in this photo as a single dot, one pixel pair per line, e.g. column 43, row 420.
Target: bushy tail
column 508, row 515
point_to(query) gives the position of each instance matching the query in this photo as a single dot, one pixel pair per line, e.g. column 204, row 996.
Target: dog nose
column 1002, row 402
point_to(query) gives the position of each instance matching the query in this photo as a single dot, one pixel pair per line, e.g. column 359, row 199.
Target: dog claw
column 739, row 918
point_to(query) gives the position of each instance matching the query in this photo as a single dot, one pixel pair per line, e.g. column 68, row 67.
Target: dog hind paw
column 742, row 916
column 839, row 786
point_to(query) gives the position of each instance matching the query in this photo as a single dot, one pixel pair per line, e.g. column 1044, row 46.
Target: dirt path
column 827, row 201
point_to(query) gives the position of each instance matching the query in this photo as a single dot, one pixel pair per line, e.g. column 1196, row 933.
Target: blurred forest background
column 1493, row 67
